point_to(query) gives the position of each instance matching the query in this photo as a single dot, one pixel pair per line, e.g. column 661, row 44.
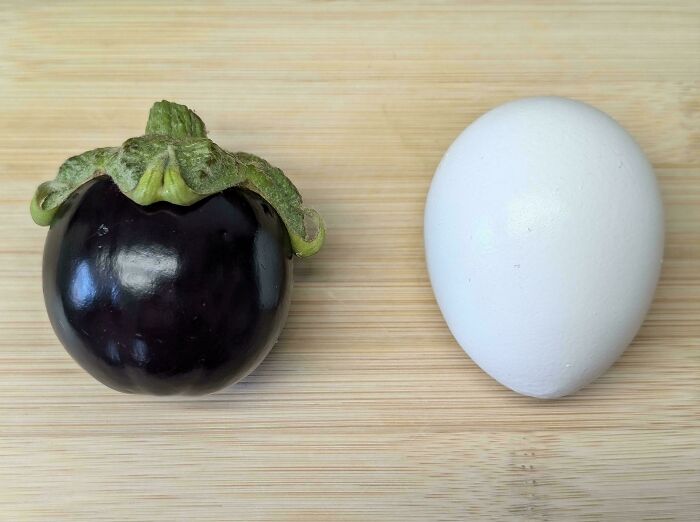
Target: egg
column 544, row 241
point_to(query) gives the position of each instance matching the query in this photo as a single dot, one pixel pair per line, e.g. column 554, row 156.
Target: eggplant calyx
column 74, row 172
column 175, row 162
column 162, row 181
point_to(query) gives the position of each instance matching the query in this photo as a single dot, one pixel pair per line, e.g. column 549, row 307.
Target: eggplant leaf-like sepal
column 175, row 162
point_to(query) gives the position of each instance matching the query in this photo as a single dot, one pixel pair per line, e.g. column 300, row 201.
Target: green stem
column 175, row 162
column 174, row 120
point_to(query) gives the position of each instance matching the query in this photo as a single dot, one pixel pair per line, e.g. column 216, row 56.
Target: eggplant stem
column 174, row 120
column 175, row 162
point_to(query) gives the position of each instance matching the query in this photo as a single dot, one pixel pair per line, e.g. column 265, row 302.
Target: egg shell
column 544, row 242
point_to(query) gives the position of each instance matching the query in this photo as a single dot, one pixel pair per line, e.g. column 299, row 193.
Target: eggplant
column 168, row 265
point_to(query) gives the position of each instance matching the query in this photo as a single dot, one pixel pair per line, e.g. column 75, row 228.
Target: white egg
column 544, row 242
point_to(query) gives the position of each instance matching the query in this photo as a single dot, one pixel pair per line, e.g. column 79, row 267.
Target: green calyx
column 175, row 162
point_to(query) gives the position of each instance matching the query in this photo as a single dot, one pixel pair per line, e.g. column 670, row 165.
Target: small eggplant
column 168, row 263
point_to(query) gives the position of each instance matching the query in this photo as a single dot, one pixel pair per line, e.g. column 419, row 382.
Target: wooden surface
column 367, row 409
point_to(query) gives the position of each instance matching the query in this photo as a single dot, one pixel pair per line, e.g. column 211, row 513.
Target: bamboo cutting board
column 367, row 409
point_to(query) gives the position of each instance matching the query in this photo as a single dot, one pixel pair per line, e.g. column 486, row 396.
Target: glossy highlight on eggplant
column 166, row 299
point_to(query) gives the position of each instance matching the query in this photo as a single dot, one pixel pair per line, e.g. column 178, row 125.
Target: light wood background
column 367, row 409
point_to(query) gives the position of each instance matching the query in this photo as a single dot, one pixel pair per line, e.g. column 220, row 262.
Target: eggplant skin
column 167, row 299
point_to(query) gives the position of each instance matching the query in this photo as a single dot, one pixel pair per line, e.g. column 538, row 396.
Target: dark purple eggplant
column 156, row 282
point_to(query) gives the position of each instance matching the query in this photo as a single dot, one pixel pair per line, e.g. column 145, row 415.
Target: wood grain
column 367, row 409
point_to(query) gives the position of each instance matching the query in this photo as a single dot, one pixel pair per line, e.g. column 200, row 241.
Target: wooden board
column 367, row 409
